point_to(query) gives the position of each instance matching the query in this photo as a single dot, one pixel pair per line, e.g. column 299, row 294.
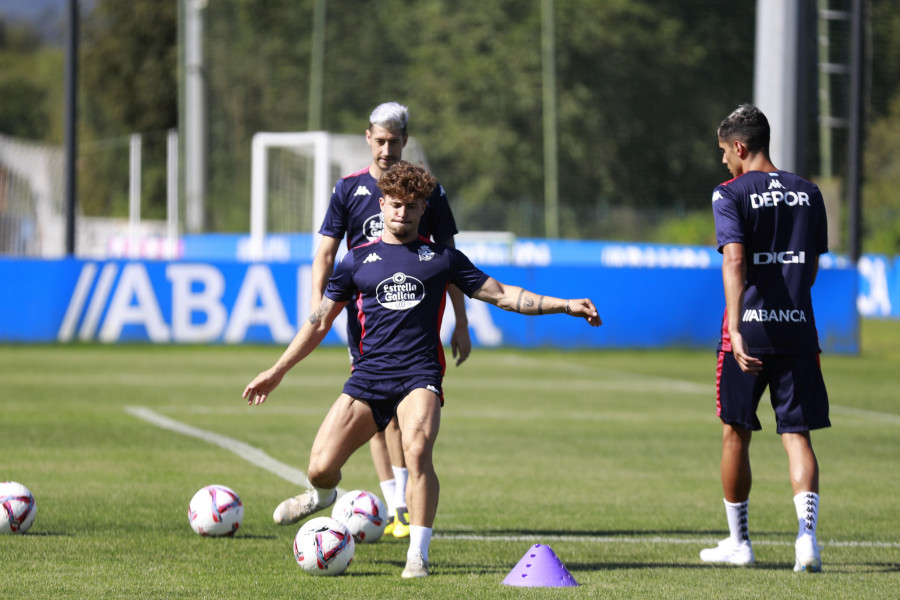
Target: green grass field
column 610, row 458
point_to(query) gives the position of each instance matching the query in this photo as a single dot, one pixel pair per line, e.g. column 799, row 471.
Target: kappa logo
column 431, row 388
column 362, row 191
column 425, row 253
column 372, row 258
column 775, row 184
column 717, row 195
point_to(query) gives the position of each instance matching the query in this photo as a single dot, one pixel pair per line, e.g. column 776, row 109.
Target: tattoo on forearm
column 529, row 302
column 519, row 301
column 541, row 306
column 316, row 317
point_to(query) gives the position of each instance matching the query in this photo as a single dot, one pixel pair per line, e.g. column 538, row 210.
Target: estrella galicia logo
column 374, row 227
column 400, row 292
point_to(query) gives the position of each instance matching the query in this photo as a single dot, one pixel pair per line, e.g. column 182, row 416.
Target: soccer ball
column 324, row 546
column 363, row 513
column 17, row 508
column 215, row 511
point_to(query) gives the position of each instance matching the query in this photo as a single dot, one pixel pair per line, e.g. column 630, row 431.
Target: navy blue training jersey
column 354, row 211
column 399, row 291
column 780, row 219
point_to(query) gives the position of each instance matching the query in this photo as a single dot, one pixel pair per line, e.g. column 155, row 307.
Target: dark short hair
column 406, row 181
column 748, row 125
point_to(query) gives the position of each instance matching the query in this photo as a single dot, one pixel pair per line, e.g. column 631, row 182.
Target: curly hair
column 406, row 181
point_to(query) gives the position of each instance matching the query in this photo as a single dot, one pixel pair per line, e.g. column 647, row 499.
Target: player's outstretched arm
column 314, row 329
column 516, row 299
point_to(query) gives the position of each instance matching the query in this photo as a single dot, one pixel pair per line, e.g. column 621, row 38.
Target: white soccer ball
column 363, row 513
column 215, row 511
column 17, row 508
column 324, row 546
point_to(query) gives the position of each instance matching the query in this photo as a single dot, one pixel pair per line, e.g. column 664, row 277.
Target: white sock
column 401, row 476
column 807, row 505
column 419, row 540
column 738, row 521
column 323, row 495
column 387, row 490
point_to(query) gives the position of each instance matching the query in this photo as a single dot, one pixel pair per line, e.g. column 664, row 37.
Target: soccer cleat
column 416, row 566
column 729, row 552
column 389, row 528
column 401, row 522
column 808, row 559
column 294, row 509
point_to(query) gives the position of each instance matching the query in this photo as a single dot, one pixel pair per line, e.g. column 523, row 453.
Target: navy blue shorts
column 384, row 395
column 796, row 389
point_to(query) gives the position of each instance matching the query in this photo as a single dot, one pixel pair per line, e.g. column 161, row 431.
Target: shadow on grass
column 701, row 534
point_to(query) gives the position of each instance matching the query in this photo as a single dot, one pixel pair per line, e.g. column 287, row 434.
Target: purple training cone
column 540, row 567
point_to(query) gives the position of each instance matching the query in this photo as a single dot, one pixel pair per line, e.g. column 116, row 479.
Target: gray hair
column 390, row 115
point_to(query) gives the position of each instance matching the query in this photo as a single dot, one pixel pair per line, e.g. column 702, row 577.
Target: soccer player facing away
column 771, row 229
column 399, row 284
column 354, row 212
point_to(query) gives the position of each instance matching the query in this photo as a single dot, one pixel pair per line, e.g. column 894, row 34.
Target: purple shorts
column 384, row 395
column 796, row 389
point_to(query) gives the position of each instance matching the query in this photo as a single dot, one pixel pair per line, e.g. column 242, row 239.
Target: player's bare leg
column 735, row 466
column 347, row 426
column 736, row 549
column 419, row 415
column 804, row 470
column 382, row 461
column 400, row 501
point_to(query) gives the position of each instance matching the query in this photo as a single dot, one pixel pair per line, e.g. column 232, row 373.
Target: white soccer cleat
column 808, row 559
column 729, row 552
column 294, row 509
column 416, row 567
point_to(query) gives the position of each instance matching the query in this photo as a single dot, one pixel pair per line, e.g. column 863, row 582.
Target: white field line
column 596, row 539
column 260, row 459
column 867, row 414
column 251, row 454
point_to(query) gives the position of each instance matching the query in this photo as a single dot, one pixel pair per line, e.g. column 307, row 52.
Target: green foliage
column 695, row 229
column 640, row 87
column 881, row 204
column 128, row 85
column 611, row 458
column 30, row 85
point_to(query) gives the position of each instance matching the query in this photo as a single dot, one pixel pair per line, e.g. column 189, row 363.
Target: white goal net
column 292, row 175
column 32, row 211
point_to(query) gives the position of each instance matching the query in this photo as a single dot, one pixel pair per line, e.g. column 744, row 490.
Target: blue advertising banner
column 234, row 302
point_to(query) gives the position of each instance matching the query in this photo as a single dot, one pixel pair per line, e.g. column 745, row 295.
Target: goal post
column 297, row 171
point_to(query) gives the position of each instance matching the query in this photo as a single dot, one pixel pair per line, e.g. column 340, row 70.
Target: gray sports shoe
column 294, row 509
column 416, row 566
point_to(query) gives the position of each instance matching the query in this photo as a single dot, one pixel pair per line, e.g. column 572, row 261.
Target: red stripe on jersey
column 726, row 335
column 362, row 320
column 440, row 320
column 719, row 383
column 357, row 173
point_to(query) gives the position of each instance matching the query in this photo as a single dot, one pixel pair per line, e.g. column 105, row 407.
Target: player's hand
column 585, row 308
column 460, row 343
column 747, row 363
column 259, row 389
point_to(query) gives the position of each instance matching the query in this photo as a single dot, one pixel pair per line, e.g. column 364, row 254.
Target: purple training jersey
column 780, row 219
column 354, row 211
column 399, row 291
